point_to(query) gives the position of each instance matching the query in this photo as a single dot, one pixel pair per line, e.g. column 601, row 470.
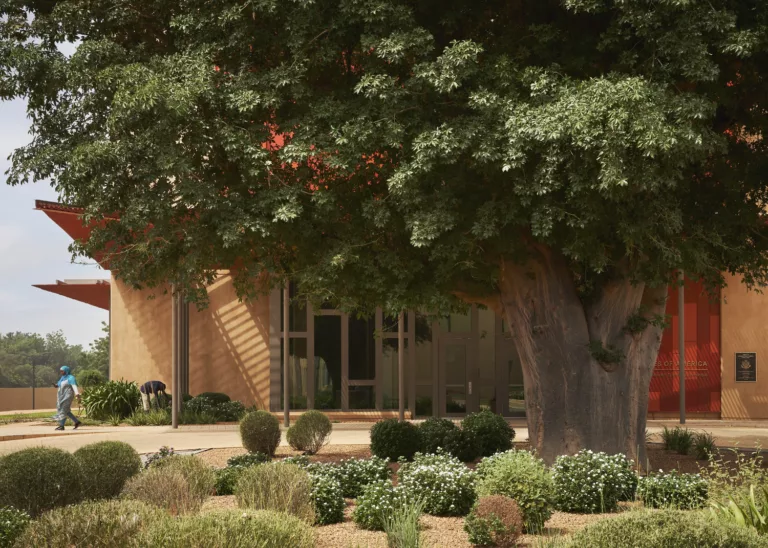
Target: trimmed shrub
column 377, row 501
column 492, row 432
column 88, row 378
column 260, row 432
column 521, row 476
column 167, row 489
column 199, row 476
column 279, row 487
column 433, row 432
column 216, row 397
column 112, row 399
column 667, row 529
column 327, row 500
column 592, row 483
column 12, row 525
column 310, row 432
column 446, row 486
column 248, row 459
column 103, row 524
column 40, row 478
column 462, row 444
column 230, row 529
column 673, row 490
column 106, row 466
column 494, row 521
column 392, row 439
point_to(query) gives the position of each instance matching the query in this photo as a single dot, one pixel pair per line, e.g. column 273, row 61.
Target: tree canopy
column 395, row 152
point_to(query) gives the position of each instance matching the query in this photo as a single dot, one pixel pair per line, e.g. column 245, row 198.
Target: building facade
column 454, row 365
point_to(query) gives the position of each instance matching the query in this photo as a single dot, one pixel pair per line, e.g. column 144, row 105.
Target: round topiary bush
column 433, row 432
column 216, row 397
column 667, row 529
column 592, row 483
column 103, row 524
column 495, row 520
column 167, row 489
column 442, row 482
column 40, row 478
column 521, row 476
column 310, row 432
column 392, row 439
column 235, row 529
column 279, row 487
column 260, row 432
column 107, row 465
column 12, row 525
column 491, row 431
column 462, row 444
column 199, row 476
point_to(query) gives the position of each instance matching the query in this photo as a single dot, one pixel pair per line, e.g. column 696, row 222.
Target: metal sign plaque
column 746, row 367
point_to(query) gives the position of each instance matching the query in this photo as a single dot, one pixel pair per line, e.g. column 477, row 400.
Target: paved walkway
column 146, row 439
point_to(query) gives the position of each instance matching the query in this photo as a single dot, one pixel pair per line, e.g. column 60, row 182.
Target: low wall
column 20, row 399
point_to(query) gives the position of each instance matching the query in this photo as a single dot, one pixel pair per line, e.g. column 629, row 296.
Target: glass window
column 487, row 397
column 297, row 316
column 327, row 362
column 389, row 373
column 486, row 347
column 362, row 349
column 362, row 397
column 456, row 323
column 455, row 377
column 424, row 400
column 297, row 371
column 423, row 349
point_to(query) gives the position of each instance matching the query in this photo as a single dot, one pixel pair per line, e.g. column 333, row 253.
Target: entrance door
column 455, row 385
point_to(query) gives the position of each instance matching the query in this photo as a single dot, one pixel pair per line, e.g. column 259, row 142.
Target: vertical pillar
column 175, row 380
column 401, row 366
column 286, row 359
column 681, row 342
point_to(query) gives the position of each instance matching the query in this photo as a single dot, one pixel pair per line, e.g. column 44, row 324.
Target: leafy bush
column 107, row 465
column 230, row 529
column 704, row 445
column 673, row 490
column 12, row 525
column 260, row 432
column 167, row 489
column 750, row 512
column 114, row 398
column 40, row 478
column 446, row 486
column 248, row 459
column 433, row 432
column 392, row 439
column 217, row 398
column 462, row 444
column 732, row 478
column 591, row 483
column 678, row 439
column 310, row 432
column 402, row 525
column 227, row 478
column 494, row 521
column 521, row 476
column 163, row 453
column 355, row 474
column 492, row 432
column 231, row 411
column 103, row 524
column 378, row 500
column 201, row 404
column 327, row 499
column 279, row 487
column 89, row 378
column 199, row 476
column 667, row 529
column 299, row 460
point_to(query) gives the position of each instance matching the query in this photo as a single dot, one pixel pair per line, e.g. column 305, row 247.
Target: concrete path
column 147, row 439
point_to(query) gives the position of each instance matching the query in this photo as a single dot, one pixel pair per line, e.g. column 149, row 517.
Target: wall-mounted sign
column 746, row 367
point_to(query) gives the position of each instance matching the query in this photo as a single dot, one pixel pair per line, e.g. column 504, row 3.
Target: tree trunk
column 577, row 398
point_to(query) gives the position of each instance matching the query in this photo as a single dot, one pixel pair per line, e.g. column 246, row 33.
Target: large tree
column 557, row 160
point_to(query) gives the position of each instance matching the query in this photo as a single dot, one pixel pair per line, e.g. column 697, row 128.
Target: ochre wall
column 744, row 329
column 20, row 399
column 229, row 341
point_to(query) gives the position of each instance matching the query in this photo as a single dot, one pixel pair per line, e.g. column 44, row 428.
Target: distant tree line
column 20, row 353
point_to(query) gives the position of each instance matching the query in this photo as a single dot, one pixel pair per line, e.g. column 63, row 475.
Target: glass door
column 455, row 389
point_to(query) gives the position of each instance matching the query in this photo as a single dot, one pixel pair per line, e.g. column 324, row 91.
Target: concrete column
column 286, row 359
column 401, row 366
column 681, row 342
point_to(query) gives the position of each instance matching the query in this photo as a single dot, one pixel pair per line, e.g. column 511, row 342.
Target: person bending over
column 152, row 388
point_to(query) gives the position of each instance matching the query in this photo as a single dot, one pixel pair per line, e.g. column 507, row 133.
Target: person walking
column 68, row 390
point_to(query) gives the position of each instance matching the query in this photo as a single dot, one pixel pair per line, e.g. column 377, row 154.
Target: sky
column 33, row 250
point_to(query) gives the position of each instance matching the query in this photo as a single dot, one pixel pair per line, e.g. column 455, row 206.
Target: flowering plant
column 589, row 482
column 673, row 490
column 327, row 499
column 446, row 486
column 378, row 500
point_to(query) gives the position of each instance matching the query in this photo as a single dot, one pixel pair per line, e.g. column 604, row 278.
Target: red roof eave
column 93, row 292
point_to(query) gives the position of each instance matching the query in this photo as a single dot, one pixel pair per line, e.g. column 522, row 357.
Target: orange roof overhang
column 93, row 292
